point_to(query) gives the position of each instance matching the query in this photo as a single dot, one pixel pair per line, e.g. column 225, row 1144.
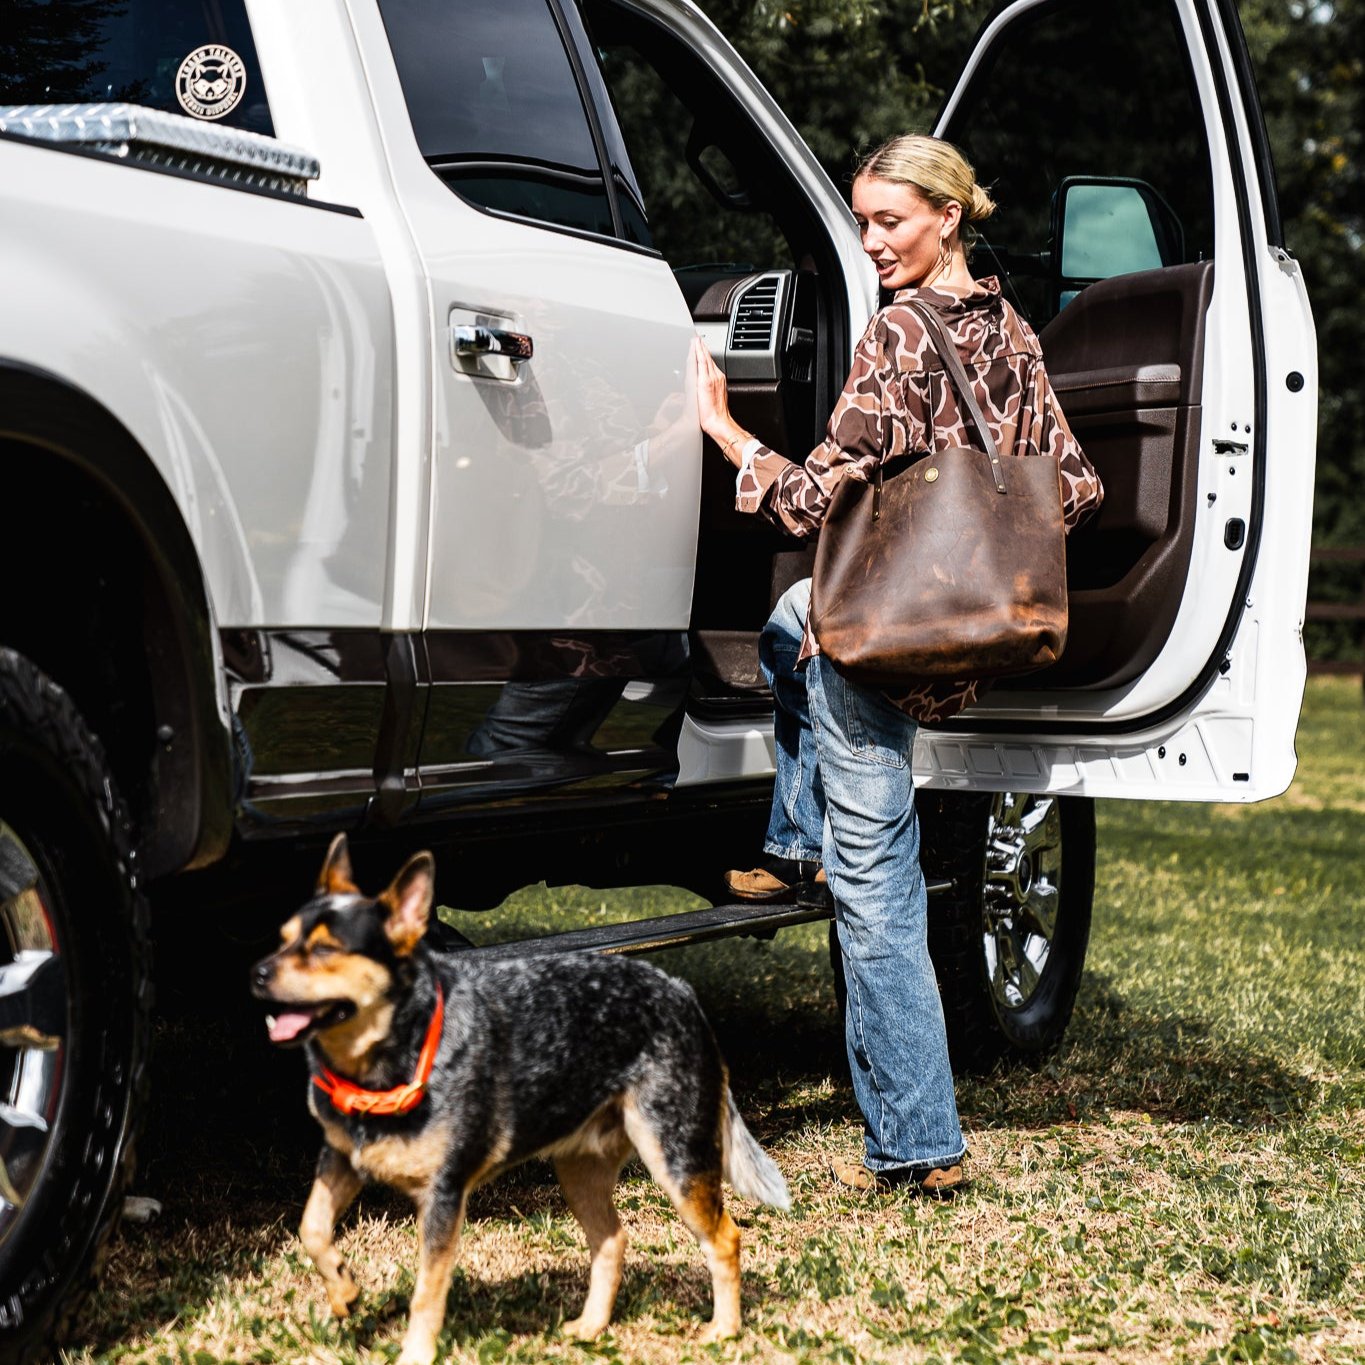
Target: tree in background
column 49, row 51
column 1310, row 71
column 850, row 73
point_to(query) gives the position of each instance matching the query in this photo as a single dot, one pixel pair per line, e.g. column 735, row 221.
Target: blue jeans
column 796, row 826
column 845, row 786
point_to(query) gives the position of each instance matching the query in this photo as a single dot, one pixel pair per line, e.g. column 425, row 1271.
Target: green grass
column 1183, row 1181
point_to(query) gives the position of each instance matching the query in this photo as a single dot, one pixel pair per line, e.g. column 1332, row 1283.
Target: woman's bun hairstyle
column 937, row 171
column 982, row 205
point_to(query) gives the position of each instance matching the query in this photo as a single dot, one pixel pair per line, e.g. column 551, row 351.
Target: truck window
column 497, row 110
column 1079, row 89
column 195, row 59
column 679, row 127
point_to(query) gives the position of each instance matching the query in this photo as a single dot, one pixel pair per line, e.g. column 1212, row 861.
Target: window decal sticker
column 211, row 81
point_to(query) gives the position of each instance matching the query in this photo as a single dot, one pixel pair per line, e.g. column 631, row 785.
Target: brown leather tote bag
column 952, row 565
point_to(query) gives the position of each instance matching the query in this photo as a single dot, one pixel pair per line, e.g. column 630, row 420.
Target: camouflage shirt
column 899, row 398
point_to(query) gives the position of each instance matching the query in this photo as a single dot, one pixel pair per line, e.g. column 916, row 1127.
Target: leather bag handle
column 952, row 362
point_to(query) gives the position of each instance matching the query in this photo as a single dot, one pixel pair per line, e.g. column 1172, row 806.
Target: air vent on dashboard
column 756, row 316
column 757, row 310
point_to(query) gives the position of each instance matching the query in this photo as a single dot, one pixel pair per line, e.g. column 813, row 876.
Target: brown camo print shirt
column 898, row 398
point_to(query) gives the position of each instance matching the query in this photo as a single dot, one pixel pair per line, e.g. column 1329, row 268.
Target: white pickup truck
column 351, row 462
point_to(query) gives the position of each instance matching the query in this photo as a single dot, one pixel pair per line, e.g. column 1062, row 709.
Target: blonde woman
column 843, row 806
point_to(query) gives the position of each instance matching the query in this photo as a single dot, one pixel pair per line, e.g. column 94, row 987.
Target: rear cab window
column 197, row 60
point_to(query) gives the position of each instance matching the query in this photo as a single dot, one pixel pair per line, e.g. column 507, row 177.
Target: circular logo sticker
column 211, row 81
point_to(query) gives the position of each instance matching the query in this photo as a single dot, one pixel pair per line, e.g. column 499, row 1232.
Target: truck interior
column 1122, row 333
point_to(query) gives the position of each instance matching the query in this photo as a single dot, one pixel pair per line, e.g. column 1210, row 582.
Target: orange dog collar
column 353, row 1099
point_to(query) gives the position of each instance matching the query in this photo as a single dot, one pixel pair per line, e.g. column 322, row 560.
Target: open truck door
column 1139, row 233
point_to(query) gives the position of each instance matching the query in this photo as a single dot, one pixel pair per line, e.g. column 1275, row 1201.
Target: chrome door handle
column 472, row 342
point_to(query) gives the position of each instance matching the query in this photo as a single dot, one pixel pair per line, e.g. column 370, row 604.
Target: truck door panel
column 1126, row 359
column 564, row 482
column 1188, row 585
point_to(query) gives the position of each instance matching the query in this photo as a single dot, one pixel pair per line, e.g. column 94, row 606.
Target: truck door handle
column 473, row 342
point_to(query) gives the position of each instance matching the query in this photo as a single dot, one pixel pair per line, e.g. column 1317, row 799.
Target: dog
column 433, row 1073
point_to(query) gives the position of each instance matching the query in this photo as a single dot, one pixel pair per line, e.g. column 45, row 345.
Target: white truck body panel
column 321, row 98
column 245, row 342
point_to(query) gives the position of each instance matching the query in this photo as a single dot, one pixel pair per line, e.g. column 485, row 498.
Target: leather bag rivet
column 930, row 475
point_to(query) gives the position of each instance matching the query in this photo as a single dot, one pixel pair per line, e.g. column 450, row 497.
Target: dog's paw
column 718, row 1331
column 584, row 1328
column 419, row 1354
column 343, row 1293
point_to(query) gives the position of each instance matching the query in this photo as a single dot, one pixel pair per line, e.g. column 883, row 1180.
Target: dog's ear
column 408, row 900
column 335, row 878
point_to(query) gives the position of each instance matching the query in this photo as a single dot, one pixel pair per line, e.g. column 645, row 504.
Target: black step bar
column 674, row 931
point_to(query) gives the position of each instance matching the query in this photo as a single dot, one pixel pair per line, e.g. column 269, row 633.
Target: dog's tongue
column 288, row 1025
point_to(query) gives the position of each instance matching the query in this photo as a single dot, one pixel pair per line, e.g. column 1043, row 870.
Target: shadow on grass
column 539, row 1302
column 229, row 1147
column 161, row 1274
column 1118, row 1057
column 228, row 1152
column 229, row 1129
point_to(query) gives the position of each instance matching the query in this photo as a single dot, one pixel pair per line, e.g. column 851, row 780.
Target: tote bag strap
column 952, row 362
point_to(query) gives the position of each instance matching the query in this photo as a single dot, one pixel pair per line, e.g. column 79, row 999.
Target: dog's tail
column 748, row 1168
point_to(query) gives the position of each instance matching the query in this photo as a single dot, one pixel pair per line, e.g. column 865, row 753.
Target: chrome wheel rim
column 33, row 1027
column 1022, row 893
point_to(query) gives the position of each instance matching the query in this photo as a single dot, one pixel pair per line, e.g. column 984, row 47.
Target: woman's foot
column 778, row 880
column 942, row 1182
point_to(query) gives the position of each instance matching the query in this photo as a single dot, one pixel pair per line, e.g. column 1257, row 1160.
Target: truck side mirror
column 1104, row 226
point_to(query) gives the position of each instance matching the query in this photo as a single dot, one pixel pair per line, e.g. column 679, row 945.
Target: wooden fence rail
column 1337, row 611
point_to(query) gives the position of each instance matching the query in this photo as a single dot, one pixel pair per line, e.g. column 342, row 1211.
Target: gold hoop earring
column 945, row 258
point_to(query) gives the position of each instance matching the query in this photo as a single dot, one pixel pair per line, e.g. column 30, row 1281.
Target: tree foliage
column 1309, row 68
column 851, row 73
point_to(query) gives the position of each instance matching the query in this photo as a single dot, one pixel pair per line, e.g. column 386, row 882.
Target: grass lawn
column 1183, row 1181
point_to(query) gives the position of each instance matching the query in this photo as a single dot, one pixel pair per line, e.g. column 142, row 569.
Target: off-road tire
column 984, row 1029
column 61, row 806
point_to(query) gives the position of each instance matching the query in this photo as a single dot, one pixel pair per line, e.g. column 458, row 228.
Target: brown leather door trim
column 1142, row 386
column 1126, row 359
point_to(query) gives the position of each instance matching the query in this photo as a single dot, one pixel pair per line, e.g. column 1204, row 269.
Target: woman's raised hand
column 713, row 403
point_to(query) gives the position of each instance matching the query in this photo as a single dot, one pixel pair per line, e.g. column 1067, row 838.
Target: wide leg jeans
column 845, row 786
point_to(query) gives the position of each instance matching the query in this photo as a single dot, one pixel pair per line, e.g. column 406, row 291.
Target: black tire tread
column 953, row 831
column 38, row 1303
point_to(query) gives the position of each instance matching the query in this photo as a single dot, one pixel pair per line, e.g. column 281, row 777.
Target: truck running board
column 673, row 931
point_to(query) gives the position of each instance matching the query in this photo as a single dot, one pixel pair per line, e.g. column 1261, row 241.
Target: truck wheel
column 1009, row 940
column 74, row 1008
